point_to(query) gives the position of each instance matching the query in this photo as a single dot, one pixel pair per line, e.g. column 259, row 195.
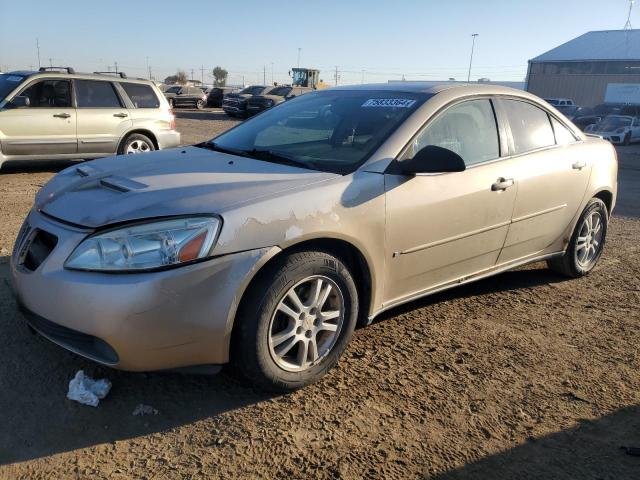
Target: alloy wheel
column 306, row 323
column 137, row 146
column 589, row 241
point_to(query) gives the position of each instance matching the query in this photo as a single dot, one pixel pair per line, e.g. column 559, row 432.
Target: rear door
column 443, row 227
column 551, row 175
column 47, row 126
column 102, row 117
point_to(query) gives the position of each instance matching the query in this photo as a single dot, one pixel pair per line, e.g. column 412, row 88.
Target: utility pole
column 202, row 74
column 192, row 74
column 38, row 48
column 115, row 64
column 627, row 26
column 271, row 73
column 264, row 74
column 50, row 62
column 473, row 44
column 299, row 50
column 336, row 76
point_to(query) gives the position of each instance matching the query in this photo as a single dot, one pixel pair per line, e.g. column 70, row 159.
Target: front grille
column 37, row 248
column 86, row 345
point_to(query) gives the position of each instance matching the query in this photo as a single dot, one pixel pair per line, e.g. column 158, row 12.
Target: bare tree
column 179, row 78
column 220, row 76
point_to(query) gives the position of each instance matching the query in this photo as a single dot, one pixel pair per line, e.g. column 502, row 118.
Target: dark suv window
column 530, row 126
column 95, row 94
column 142, row 96
column 468, row 129
column 49, row 93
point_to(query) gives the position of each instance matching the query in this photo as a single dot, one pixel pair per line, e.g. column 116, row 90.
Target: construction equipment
column 306, row 77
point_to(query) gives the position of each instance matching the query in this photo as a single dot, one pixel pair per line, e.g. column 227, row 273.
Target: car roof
column 420, row 87
column 80, row 75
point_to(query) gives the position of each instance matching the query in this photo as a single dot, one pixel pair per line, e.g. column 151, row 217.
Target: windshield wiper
column 279, row 157
column 217, row 148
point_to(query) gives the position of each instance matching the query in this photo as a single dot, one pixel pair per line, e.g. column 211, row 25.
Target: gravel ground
column 525, row 375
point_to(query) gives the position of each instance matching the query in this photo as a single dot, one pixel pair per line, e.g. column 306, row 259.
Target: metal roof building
column 583, row 68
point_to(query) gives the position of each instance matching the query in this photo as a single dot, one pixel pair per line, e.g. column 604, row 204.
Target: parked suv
column 216, row 94
column 57, row 113
column 235, row 104
column 179, row 96
column 258, row 103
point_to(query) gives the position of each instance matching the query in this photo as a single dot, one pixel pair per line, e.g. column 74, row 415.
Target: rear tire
column 136, row 143
column 281, row 344
column 627, row 139
column 200, row 104
column 586, row 244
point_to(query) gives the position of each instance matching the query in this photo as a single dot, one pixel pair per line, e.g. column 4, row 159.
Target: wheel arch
column 607, row 197
column 141, row 131
column 344, row 250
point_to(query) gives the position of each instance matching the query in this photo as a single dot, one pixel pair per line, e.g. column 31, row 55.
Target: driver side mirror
column 433, row 159
column 19, row 102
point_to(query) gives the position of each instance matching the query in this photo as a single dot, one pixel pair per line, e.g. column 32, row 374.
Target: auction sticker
column 389, row 102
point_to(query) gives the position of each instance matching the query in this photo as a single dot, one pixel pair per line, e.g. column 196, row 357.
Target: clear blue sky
column 422, row 39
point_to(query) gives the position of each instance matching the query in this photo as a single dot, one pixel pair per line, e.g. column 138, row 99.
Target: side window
column 563, row 134
column 49, row 94
column 469, row 129
column 95, row 94
column 530, row 126
column 141, row 95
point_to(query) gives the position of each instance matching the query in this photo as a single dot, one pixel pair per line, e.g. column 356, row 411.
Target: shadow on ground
column 35, row 166
column 590, row 450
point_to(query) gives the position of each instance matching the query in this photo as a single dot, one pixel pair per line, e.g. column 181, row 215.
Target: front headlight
column 146, row 246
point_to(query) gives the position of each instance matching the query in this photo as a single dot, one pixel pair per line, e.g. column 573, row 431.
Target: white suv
column 58, row 113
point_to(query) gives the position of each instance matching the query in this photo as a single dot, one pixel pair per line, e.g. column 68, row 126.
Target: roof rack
column 119, row 74
column 64, row 69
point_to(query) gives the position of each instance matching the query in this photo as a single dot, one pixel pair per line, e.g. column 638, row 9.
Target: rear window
column 530, row 126
column 141, row 95
column 94, row 94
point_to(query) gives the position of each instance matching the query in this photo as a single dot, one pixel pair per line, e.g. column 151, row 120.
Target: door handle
column 61, row 115
column 121, row 115
column 578, row 165
column 502, row 184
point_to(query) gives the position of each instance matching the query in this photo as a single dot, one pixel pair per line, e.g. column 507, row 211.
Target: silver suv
column 58, row 113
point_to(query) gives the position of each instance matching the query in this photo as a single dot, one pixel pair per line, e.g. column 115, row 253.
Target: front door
column 447, row 226
column 102, row 118
column 46, row 127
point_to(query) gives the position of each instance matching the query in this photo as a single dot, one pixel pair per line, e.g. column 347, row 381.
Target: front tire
column 136, row 143
column 296, row 321
column 627, row 139
column 587, row 242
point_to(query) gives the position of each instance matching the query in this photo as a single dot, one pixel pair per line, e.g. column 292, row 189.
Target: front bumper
column 140, row 321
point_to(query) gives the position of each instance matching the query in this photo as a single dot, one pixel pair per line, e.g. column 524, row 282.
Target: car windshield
column 173, row 90
column 8, row 82
column 611, row 123
column 280, row 91
column 252, row 91
column 334, row 131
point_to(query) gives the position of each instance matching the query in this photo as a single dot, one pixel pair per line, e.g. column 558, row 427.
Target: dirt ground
column 525, row 375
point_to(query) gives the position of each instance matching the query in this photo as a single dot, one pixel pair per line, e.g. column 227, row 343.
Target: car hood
column 237, row 95
column 180, row 181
